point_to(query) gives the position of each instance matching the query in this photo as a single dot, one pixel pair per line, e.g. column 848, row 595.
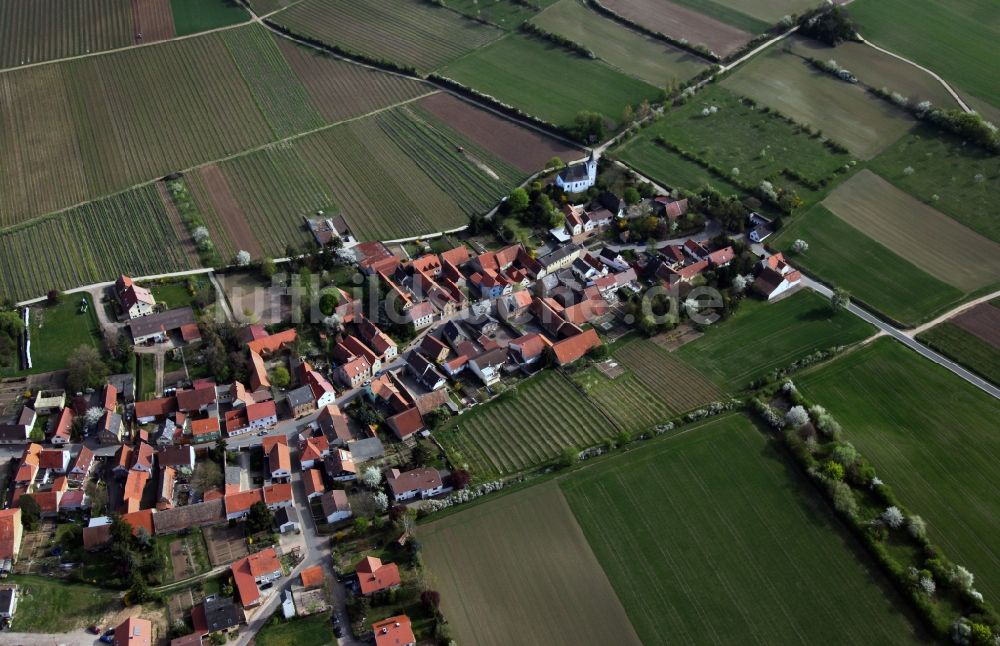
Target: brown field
column 770, row 11
column 225, row 544
column 153, row 19
column 675, row 382
column 179, row 560
column 680, row 22
column 982, row 321
column 186, row 243
column 677, row 337
column 519, row 570
column 228, row 210
column 926, row 237
column 525, row 149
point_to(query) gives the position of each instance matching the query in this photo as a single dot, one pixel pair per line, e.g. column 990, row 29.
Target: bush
column 796, row 416
column 833, row 470
column 893, row 517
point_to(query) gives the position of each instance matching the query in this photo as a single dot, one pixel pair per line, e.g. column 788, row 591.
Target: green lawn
column 56, row 332
column 965, row 348
column 932, row 437
column 177, row 294
column 547, row 81
column 711, row 536
column 193, row 16
column 842, row 255
column 763, row 336
column 145, row 376
column 670, row 169
column 307, row 630
column 53, row 606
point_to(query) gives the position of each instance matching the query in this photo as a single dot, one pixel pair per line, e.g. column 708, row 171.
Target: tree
column 796, row 416
column 840, row 299
column 598, row 352
column 381, row 501
column 267, row 268
column 917, row 527
column 589, row 126
column 86, row 369
column 831, row 27
column 460, row 479
column 420, row 455
column 259, row 518
column 30, row 512
column 53, row 297
column 242, row 258
column 431, row 600
column 555, row 163
column 361, row 524
column 142, row 537
column 845, row 454
column 569, row 457
column 843, row 499
column 518, row 200
column 741, row 282
column 371, row 477
column 833, row 470
column 800, row 246
column 98, row 495
column 960, row 577
column 329, row 299
column 280, row 377
column 207, row 475
column 628, row 114
column 893, row 517
column 631, row 195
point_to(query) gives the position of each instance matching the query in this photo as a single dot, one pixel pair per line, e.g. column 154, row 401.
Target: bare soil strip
column 153, row 19
column 682, row 23
column 228, row 209
column 982, row 321
column 186, row 243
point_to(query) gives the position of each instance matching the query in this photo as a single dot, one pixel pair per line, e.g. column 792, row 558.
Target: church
column 578, row 177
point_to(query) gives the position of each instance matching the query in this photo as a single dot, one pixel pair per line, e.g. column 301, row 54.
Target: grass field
column 964, row 178
column 871, row 272
column 670, row 169
column 625, row 399
column 967, row 349
column 532, row 425
column 676, row 383
column 845, row 113
column 58, row 330
column 916, row 231
column 518, row 570
column 712, row 537
column 47, row 605
column 402, row 31
column 763, row 336
column 306, row 630
column 956, row 39
column 932, row 437
column 504, row 13
column 32, row 31
column 767, row 11
column 635, row 54
column 192, row 16
column 547, row 81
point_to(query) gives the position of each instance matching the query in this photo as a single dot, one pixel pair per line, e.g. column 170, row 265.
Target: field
column 670, row 379
column 682, row 22
column 635, row 54
column 52, row 606
column 712, row 537
column 547, row 81
column 964, row 178
column 932, row 437
column 964, row 347
column 192, row 16
column 95, row 242
column 956, row 39
column 32, row 31
column 530, row 426
column 767, row 11
column 625, row 399
column 55, row 332
column 916, row 231
column 504, row 13
column 763, row 336
column 871, row 272
column 154, row 19
column 670, row 169
column 845, row 113
column 402, row 31
column 305, row 630
column 539, row 583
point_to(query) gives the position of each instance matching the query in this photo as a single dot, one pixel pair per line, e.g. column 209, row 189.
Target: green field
column 530, row 426
column 767, row 11
column 964, row 178
column 931, row 436
column 842, row 255
column 763, row 336
column 192, row 16
column 635, row 54
column 670, row 169
column 678, row 384
column 711, row 536
column 625, row 399
column 306, row 630
column 504, row 13
column 956, row 39
column 965, row 348
column 46, row 605
column 845, row 113
column 145, row 376
column 547, row 81
column 32, row 31
column 56, row 331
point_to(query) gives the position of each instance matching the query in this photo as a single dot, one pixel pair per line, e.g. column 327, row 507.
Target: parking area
column 225, row 544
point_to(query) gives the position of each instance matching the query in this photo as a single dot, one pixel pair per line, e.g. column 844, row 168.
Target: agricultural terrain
column 57, row 330
column 931, row 436
column 971, row 338
column 671, row 380
column 761, row 337
column 32, row 31
column 672, row 170
column 507, row 14
column 682, row 22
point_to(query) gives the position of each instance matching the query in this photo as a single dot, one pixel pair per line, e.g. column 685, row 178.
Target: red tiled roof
column 65, row 424
column 406, row 423
column 276, row 493
column 134, row 632
column 156, row 407
column 261, row 410
column 572, row 348
column 312, row 479
column 205, row 426
column 394, row 631
column 272, row 343
column 264, row 562
column 373, row 575
column 198, row 397
column 246, row 584
column 276, row 449
column 314, row 448
column 137, row 519
column 10, row 520
column 241, row 502
column 52, row 459
column 332, row 419
column 312, row 577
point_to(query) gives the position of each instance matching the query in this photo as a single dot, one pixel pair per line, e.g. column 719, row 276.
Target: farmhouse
column 578, row 177
column 375, row 576
column 136, row 301
column 776, row 277
column 158, row 327
column 418, row 483
column 335, row 506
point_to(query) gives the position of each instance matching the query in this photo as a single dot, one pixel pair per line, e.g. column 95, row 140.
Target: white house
column 136, row 301
column 613, row 259
column 488, row 365
column 578, row 177
column 335, row 506
column 418, row 483
column 776, row 277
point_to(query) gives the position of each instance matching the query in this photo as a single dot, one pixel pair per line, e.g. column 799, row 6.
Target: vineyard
column 32, row 31
column 634, row 407
column 531, row 425
column 405, row 32
column 130, row 232
column 678, row 384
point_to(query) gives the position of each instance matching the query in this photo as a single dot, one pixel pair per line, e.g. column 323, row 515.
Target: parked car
column 93, row 629
column 108, row 638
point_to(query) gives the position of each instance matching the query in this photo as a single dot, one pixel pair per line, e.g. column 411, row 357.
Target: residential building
column 394, row 631
column 253, row 571
column 135, row 301
column 237, row 505
column 10, row 536
column 110, row 429
column 574, row 347
column 488, row 365
column 421, row 315
column 334, row 425
column 312, row 482
column 155, row 409
column 54, row 460
column 279, row 461
column 417, row 483
column 354, row 372
column 406, row 423
column 323, row 393
column 376, row 576
column 276, row 496
column 205, row 430
column 380, row 343
column 528, row 349
column 434, row 349
column 198, row 398
column 221, row 614
column 340, row 466
column 335, row 506
column 261, row 415
column 134, row 632
column 80, row 471
column 158, row 327
column 425, row 372
column 313, row 577
column 313, row 450
column 48, row 402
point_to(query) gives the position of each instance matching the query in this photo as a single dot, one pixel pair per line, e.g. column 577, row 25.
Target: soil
column 982, row 321
column 228, row 209
column 187, row 244
column 153, row 19
column 682, row 23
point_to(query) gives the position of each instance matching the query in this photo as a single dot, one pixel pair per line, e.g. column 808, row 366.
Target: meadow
column 193, row 16
column 530, row 426
column 931, row 436
column 635, row 54
column 305, row 630
column 871, row 272
column 32, row 31
column 670, row 169
column 687, row 20
column 964, row 347
column 956, row 39
column 671, row 380
column 503, row 13
column 402, row 31
column 48, row 605
column 56, row 330
column 548, row 81
column 518, row 570
column 761, row 337
column 712, row 536
column 845, row 113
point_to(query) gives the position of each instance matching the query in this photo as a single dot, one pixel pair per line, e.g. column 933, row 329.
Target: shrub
column 796, row 416
column 833, row 470
column 892, row 517
column 843, row 499
column 917, row 527
column 800, row 246
column 845, row 454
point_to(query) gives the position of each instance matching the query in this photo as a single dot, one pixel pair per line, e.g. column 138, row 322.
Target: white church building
column 578, row 177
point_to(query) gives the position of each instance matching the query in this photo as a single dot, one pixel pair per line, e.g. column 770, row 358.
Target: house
column 261, row 415
column 613, row 259
column 528, row 349
column 205, row 430
column 10, row 535
column 312, row 481
column 488, row 365
column 258, row 373
column 313, row 577
column 340, row 466
column 8, row 601
column 335, row 506
column 326, row 229
column 771, row 283
column 354, row 372
column 15, row 434
column 372, row 257
column 322, row 391
column 376, row 339
column 165, row 493
column 135, row 483
column 235, row 422
column 222, row 615
column 612, row 203
column 134, row 632
column 179, row 458
column 301, row 402
column 284, row 522
column 135, row 301
column 279, row 461
column 252, row 571
column 154, row 409
column 560, row 258
column 141, row 458
column 482, row 325
column 760, row 227
column 721, row 257
column 334, row 425
column 269, row 344
column 48, row 402
column 433, row 400
column 425, row 372
column 418, row 483
column 28, row 468
column 514, row 305
column 376, row 576
column 389, row 390
column 124, row 384
column 578, row 177
column 110, row 429
column 277, row 496
column 668, row 207
column 237, row 505
column 453, row 335
column 420, row 315
column 198, row 398
column 406, row 423
column 433, row 348
column 55, row 460
column 572, row 348
column 81, row 467
column 157, row 327
column 394, row 631
column 312, row 450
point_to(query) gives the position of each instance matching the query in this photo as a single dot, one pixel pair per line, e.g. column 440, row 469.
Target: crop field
column 668, row 378
column 710, row 536
column 956, row 39
column 625, row 399
column 262, row 7
column 763, row 336
column 967, row 348
column 192, row 16
column 539, row 582
column 871, row 272
column 965, row 179
column 283, row 100
column 670, row 169
column 405, row 32
column 91, row 243
column 845, row 113
column 342, row 90
column 154, row 19
column 504, row 13
column 32, row 31
column 769, row 12
column 679, row 21
column 916, row 231
column 532, row 425
column 648, row 59
column 932, row 437
column 220, row 211
column 547, row 81
column 526, row 150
